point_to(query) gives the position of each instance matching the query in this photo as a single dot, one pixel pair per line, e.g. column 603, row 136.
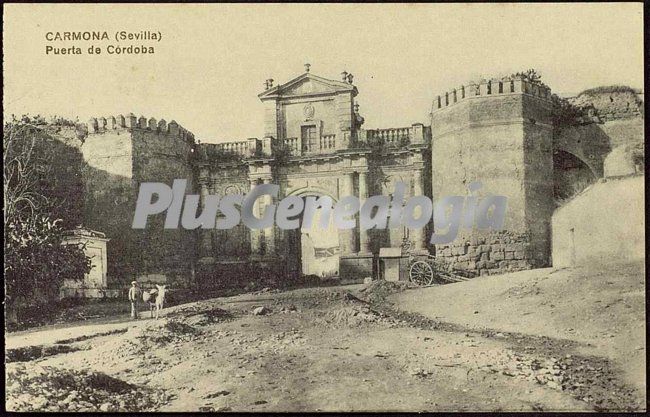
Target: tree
column 530, row 75
column 36, row 263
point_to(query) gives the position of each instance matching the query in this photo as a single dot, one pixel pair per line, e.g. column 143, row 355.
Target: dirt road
column 321, row 349
column 600, row 308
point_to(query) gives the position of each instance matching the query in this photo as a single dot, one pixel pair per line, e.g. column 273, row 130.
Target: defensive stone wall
column 499, row 133
column 122, row 152
column 611, row 102
column 608, row 142
column 487, row 253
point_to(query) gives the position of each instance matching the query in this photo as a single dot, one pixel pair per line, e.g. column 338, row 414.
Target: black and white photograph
column 324, row 207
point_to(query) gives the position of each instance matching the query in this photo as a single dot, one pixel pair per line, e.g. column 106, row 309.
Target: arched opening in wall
column 570, row 176
column 319, row 248
column 314, row 251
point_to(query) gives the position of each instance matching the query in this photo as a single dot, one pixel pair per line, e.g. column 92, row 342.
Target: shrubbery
column 35, row 263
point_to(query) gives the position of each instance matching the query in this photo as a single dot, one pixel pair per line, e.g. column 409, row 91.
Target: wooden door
column 309, row 139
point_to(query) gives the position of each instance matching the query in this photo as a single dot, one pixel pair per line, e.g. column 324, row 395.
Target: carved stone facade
column 313, row 146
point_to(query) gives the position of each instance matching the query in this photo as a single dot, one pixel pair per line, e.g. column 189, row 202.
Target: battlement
column 130, row 122
column 493, row 87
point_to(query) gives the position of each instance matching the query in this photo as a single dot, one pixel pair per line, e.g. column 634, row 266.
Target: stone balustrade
column 241, row 148
column 390, row 137
column 328, row 142
column 294, row 145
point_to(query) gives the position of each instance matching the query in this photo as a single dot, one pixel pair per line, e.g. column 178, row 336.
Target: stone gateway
column 498, row 133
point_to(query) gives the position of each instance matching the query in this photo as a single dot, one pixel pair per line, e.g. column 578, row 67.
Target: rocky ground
column 598, row 310
column 320, row 349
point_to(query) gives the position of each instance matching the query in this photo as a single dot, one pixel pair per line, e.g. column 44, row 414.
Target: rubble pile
column 33, row 387
column 378, row 290
column 201, row 319
column 123, row 346
column 355, row 316
column 261, row 311
column 167, row 331
column 315, row 298
column 198, row 314
column 200, row 307
column 141, row 339
column 586, row 378
column 550, row 372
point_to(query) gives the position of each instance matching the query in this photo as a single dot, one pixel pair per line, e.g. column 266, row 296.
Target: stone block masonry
column 493, row 253
column 498, row 132
column 120, row 153
column 612, row 103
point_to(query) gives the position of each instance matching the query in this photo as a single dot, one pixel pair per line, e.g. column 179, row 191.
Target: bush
column 36, row 263
column 567, row 114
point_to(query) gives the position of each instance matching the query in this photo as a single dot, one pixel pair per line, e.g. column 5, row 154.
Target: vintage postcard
column 324, row 207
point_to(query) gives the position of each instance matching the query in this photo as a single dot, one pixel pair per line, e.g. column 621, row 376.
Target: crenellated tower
column 498, row 132
column 121, row 152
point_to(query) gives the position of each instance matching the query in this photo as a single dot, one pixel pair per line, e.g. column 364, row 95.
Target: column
column 206, row 234
column 346, row 237
column 418, row 234
column 364, row 237
column 255, row 234
column 269, row 233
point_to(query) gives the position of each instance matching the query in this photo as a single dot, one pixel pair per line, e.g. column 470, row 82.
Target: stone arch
column 571, row 175
column 314, row 191
column 594, row 166
column 589, row 143
column 296, row 242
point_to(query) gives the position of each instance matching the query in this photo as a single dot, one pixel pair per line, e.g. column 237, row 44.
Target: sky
column 213, row 59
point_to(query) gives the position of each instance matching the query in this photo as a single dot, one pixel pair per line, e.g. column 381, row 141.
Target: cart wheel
column 421, row 273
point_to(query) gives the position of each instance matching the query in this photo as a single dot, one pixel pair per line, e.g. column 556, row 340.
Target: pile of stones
column 549, row 372
column 32, row 387
column 355, row 316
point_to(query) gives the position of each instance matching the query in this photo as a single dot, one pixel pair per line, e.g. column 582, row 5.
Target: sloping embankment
column 601, row 306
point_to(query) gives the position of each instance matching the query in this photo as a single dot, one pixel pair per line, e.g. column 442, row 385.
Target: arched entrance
column 314, row 251
column 571, row 176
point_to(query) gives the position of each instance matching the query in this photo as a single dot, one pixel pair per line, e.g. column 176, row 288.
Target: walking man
column 134, row 293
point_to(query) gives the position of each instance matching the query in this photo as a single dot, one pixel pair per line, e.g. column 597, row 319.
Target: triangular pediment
column 305, row 85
